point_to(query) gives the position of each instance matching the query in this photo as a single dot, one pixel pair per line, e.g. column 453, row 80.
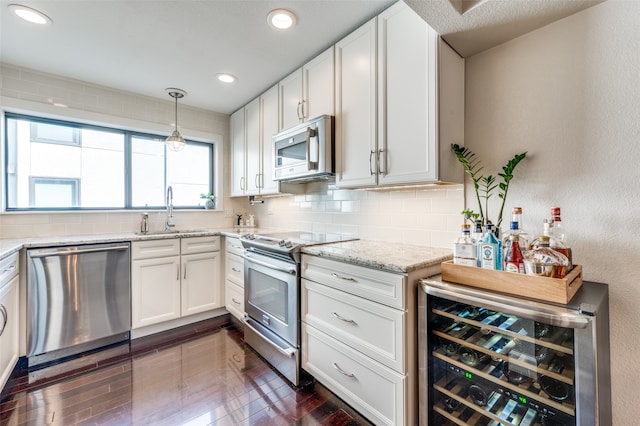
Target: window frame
column 128, row 135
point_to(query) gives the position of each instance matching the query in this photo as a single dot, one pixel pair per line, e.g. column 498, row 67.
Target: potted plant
column 484, row 186
column 210, row 200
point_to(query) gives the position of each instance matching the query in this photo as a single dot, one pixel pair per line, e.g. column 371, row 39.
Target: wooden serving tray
column 556, row 290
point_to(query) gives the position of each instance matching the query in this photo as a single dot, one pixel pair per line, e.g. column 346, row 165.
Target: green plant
column 484, row 186
column 208, row 196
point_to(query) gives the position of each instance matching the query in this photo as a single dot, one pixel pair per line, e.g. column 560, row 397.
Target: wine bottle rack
column 525, row 368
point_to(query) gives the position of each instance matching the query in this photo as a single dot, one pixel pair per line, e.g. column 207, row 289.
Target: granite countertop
column 10, row 246
column 392, row 257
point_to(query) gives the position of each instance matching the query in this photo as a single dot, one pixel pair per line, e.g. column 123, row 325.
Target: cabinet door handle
column 303, row 115
column 235, row 301
column 341, row 371
column 184, row 274
column 242, row 183
column 342, row 277
column 380, row 170
column 235, row 270
column 256, row 180
column 178, row 272
column 371, row 154
column 5, row 317
column 336, row 315
column 300, row 117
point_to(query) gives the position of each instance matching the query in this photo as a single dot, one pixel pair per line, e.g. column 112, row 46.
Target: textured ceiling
column 471, row 26
column 145, row 46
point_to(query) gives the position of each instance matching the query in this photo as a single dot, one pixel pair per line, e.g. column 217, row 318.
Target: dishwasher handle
column 67, row 252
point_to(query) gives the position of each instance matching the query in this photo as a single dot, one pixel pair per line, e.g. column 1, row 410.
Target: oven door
column 271, row 294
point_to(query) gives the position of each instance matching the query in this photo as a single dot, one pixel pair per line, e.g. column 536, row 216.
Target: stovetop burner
column 289, row 243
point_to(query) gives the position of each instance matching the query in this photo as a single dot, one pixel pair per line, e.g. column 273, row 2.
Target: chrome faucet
column 168, row 224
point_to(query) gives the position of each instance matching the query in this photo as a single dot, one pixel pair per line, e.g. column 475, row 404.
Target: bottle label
column 464, row 250
column 514, row 267
column 488, row 256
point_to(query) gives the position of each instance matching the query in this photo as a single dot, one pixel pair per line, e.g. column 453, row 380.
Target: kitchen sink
column 176, row 232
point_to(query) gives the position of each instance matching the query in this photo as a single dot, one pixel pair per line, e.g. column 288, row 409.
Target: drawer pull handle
column 336, row 315
column 5, row 317
column 233, row 299
column 10, row 269
column 235, row 270
column 342, row 277
column 341, row 371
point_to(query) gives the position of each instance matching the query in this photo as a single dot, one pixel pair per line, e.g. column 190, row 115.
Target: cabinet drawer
column 155, row 248
column 234, row 269
column 199, row 245
column 234, row 299
column 380, row 286
column 371, row 328
column 233, row 245
column 8, row 268
column 371, row 388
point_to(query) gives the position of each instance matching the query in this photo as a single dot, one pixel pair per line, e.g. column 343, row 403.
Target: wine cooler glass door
column 489, row 363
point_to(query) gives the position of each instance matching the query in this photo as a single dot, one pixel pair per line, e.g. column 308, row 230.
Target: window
column 56, row 165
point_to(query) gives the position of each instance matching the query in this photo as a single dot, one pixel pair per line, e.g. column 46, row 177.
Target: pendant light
column 176, row 142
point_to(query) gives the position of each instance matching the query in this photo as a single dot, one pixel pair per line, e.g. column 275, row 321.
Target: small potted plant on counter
column 210, row 200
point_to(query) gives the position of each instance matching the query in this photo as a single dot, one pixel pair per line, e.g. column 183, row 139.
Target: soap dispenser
column 144, row 223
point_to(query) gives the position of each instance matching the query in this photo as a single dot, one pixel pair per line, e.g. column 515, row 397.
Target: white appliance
column 305, row 152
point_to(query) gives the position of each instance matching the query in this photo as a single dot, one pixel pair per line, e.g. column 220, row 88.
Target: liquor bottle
column 464, row 249
column 477, row 233
column 547, row 261
column 555, row 243
column 490, row 250
column 513, row 260
column 557, row 231
column 516, row 227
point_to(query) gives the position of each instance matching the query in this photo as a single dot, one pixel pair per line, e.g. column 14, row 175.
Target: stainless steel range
column 272, row 295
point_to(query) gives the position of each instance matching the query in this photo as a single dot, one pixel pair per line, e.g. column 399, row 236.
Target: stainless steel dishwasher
column 78, row 299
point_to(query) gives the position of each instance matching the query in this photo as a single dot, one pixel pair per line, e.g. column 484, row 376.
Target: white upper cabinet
column 238, row 180
column 253, row 147
column 355, row 121
column 308, row 92
column 269, row 108
column 399, row 103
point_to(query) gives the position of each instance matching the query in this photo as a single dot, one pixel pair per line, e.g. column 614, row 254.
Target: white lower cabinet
column 9, row 317
column 234, row 277
column 376, row 391
column 359, row 336
column 173, row 278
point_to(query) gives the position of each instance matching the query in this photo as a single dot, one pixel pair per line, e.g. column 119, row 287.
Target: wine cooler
column 490, row 359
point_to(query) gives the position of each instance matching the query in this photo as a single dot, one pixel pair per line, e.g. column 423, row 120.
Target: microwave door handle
column 312, row 133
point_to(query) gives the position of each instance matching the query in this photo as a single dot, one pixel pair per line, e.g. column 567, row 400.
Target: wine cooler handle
column 524, row 309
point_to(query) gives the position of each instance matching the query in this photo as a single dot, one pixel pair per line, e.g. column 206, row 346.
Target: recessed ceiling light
column 281, row 19
column 30, row 14
column 226, row 78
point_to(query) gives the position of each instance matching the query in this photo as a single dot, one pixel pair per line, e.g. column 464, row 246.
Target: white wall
column 31, row 92
column 568, row 94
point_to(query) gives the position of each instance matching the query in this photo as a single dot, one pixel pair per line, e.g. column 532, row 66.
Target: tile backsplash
column 429, row 217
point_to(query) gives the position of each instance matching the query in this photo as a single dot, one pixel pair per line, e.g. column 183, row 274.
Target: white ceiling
column 145, row 46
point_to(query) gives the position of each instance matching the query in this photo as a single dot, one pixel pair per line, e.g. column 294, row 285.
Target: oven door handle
column 288, row 352
column 291, row 271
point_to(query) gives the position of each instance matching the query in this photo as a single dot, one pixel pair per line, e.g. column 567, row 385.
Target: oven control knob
column 288, row 244
column 281, row 243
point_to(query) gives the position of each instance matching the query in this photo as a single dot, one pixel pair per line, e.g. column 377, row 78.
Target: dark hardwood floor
column 198, row 375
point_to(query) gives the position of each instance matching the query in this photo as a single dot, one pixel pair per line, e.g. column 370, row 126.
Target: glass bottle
column 490, row 250
column 554, row 242
column 477, row 233
column 543, row 260
column 516, row 227
column 513, row 259
column 557, row 231
column 464, row 249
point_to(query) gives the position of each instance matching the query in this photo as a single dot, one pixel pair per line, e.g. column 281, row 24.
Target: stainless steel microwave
column 305, row 152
